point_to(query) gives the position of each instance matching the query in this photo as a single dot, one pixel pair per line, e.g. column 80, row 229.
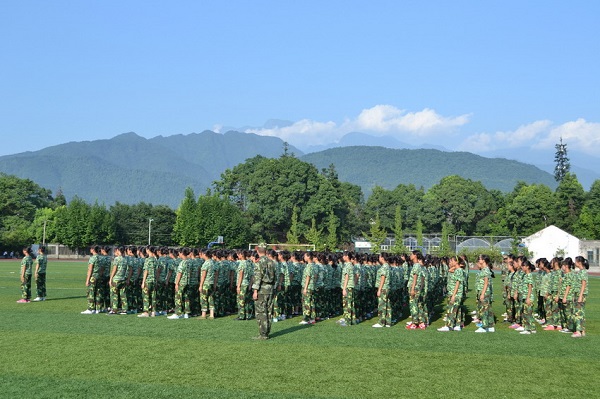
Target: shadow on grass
column 289, row 330
column 66, row 297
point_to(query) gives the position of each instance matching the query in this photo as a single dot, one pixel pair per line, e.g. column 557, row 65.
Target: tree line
column 288, row 200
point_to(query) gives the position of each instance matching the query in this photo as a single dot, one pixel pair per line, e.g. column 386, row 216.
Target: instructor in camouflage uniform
column 264, row 280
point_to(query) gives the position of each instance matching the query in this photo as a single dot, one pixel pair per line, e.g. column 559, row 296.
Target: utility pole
column 150, row 230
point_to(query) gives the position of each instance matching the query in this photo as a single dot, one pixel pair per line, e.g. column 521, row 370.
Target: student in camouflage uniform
column 182, row 288
column 580, row 293
column 149, row 279
column 517, row 294
column 41, row 262
column 92, row 282
column 348, row 280
column 309, row 276
column 384, row 310
column 485, row 295
column 529, row 295
column 245, row 269
column 209, row 277
column 118, row 283
column 278, row 287
column 264, row 278
column 553, row 319
column 544, row 289
column 415, row 288
column 26, row 266
column 106, row 261
column 455, row 277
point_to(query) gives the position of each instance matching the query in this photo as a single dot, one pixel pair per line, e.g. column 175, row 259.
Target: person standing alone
column 264, row 280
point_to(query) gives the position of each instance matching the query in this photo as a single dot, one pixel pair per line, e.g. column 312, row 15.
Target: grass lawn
column 49, row 350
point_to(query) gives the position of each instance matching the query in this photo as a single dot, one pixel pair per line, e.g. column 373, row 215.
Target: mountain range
column 131, row 169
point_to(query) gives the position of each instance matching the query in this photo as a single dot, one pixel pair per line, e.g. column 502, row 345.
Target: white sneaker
column 343, row 323
column 520, row 328
column 474, row 312
column 174, row 316
column 377, row 325
column 444, row 329
column 186, row 316
column 38, row 299
column 88, row 312
column 304, row 322
column 387, row 326
column 481, row 330
column 275, row 319
column 525, row 332
column 491, row 329
column 457, row 328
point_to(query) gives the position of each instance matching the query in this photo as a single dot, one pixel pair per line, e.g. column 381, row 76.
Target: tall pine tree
column 563, row 166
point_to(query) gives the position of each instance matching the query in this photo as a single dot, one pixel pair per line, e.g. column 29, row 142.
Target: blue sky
column 466, row 75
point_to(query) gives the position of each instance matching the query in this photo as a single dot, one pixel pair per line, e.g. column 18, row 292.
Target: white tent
column 552, row 241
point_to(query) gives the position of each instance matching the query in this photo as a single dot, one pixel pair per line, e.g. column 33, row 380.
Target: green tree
column 216, row 216
column 293, row 235
column 185, row 232
column 398, row 246
column 419, row 233
column 563, row 166
column 445, row 243
column 377, row 235
column 314, row 235
column 530, row 210
column 570, row 198
column 72, row 224
column 588, row 223
column 331, row 241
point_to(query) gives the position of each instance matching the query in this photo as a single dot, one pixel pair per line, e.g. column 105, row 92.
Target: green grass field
column 49, row 350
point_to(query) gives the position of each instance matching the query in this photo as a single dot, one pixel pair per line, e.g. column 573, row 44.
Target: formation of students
column 188, row 282
column 558, row 291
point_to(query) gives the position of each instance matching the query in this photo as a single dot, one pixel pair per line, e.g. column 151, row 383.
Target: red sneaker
column 422, row 326
column 549, row 328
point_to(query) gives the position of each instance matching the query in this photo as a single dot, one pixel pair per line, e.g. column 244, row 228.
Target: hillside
column 131, row 169
column 371, row 166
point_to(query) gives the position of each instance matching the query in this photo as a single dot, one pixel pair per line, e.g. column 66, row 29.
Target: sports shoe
column 457, row 328
column 576, row 334
column 525, row 332
column 514, row 326
column 275, row 319
column 343, row 323
column 481, row 330
column 312, row 321
column 422, row 326
column 520, row 328
column 387, row 326
column 186, row 316
column 473, row 312
column 282, row 317
column 549, row 328
column 88, row 311
column 111, row 313
column 304, row 322
column 145, row 314
column 565, row 331
column 412, row 326
column 377, row 325
column 174, row 316
column 491, row 329
column 38, row 299
column 444, row 329
column 23, row 300
column 123, row 312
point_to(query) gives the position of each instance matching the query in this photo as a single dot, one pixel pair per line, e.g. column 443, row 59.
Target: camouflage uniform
column 485, row 305
column 528, row 320
column 414, row 299
column 384, row 310
column 40, row 282
column 26, row 266
column 308, row 298
column 149, row 290
column 119, row 281
column 93, row 289
column 454, row 308
column 106, row 261
column 207, row 296
column 182, row 296
column 245, row 269
column 348, row 300
column 579, row 310
column 264, row 278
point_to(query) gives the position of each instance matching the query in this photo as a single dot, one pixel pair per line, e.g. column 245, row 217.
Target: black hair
column 583, row 261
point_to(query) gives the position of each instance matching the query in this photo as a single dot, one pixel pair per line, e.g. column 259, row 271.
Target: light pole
column 44, row 235
column 150, row 229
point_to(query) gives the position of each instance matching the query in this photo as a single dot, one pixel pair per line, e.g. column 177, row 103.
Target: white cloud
column 579, row 135
column 524, row 135
column 378, row 120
